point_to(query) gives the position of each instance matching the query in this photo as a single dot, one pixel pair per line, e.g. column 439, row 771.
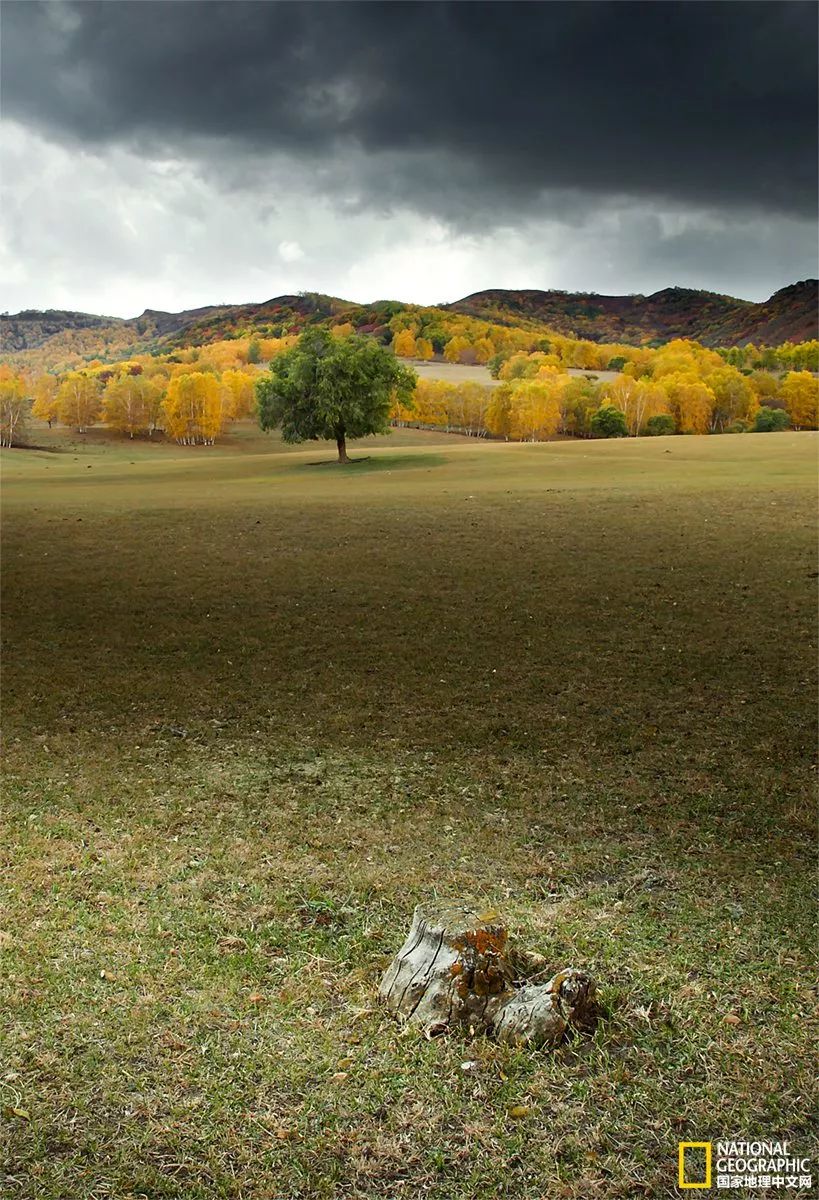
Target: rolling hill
column 32, row 328
column 706, row 317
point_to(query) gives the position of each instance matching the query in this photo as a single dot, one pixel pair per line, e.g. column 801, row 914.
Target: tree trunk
column 341, row 442
column 456, row 968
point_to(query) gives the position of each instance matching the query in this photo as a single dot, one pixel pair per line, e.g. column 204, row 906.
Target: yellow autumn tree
column 585, row 355
column 403, row 414
column 192, row 409
column 639, row 360
column 691, row 401
column 534, row 409
column 222, row 356
column 733, row 396
column 653, row 401
column 270, row 348
column 424, row 349
column 579, row 400
column 78, row 400
column 404, row 343
column 528, row 366
column 684, row 357
column 153, row 366
column 433, row 400
column 455, row 349
column 238, row 394
column 499, row 412
column 800, row 357
column 799, row 393
column 637, row 399
column 44, row 407
column 624, row 393
column 484, row 349
column 467, row 407
column 516, row 367
column 132, row 404
column 764, row 385
column 14, row 405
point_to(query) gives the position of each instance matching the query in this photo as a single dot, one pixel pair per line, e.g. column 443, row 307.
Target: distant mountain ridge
column 706, row 317
column 32, row 327
column 714, row 320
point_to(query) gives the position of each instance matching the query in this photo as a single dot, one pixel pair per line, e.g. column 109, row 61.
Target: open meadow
column 256, row 709
column 464, row 373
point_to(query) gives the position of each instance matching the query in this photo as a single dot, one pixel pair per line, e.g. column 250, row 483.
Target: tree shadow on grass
column 386, row 462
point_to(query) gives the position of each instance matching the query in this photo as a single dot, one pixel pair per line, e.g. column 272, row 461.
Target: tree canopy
column 609, row 422
column 333, row 388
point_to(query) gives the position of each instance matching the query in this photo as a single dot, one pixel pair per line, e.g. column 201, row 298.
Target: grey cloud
column 468, row 112
column 111, row 232
column 175, row 154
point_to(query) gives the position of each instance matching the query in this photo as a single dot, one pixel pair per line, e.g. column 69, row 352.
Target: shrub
column 771, row 420
column 737, row 426
column 660, row 424
column 609, row 422
column 616, row 364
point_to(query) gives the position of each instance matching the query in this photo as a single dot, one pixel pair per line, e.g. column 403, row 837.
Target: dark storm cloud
column 458, row 110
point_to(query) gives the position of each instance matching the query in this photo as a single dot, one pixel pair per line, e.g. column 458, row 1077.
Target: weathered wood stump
column 456, row 968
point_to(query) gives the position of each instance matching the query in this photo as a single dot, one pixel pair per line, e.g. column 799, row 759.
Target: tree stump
column 456, row 968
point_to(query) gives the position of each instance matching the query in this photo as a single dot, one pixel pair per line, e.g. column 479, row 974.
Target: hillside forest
column 189, row 384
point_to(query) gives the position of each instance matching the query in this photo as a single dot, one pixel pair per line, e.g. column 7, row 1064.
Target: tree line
column 191, row 406
column 470, row 341
column 331, row 388
column 194, row 394
column 681, row 388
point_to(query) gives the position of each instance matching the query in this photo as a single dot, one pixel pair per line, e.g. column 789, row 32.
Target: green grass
column 256, row 710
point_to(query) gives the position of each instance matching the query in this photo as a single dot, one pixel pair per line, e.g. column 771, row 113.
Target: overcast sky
column 174, row 154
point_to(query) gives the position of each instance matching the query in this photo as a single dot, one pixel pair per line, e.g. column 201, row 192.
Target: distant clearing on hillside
column 463, row 373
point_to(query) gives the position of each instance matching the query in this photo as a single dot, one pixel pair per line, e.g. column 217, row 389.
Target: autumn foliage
column 193, row 392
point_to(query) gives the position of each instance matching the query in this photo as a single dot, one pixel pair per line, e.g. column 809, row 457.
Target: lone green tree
column 333, row 388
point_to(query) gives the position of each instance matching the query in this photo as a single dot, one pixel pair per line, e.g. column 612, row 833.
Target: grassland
column 256, row 708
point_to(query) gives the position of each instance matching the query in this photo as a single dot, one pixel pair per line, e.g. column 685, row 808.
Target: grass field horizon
column 256, row 709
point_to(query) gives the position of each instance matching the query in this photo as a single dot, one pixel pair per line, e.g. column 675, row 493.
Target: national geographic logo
column 696, row 1151
column 761, row 1165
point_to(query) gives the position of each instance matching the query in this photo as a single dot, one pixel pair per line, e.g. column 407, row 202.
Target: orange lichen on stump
column 455, row 968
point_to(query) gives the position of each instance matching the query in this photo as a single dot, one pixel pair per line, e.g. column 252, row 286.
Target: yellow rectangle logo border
column 706, row 1146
